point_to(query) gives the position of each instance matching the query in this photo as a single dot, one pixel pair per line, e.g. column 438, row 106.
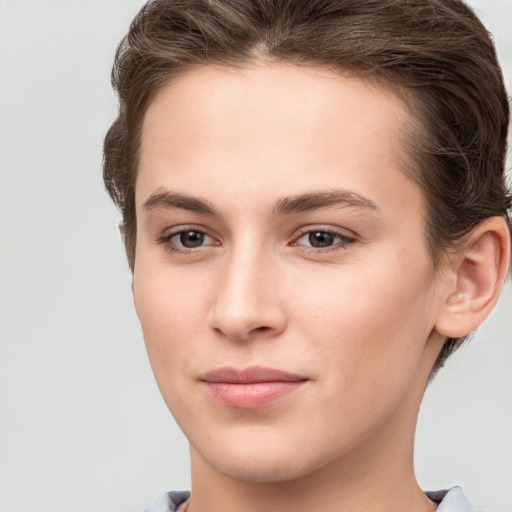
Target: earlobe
column 478, row 272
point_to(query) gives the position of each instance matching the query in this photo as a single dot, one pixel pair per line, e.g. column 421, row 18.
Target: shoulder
column 451, row 500
column 169, row 502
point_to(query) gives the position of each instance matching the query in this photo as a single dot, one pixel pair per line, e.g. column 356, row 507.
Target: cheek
column 172, row 311
column 369, row 322
column 368, row 347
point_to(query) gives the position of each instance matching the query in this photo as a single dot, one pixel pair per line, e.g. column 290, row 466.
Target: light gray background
column 82, row 425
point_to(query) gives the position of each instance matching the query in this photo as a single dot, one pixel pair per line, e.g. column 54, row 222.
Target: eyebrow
column 316, row 200
column 174, row 200
column 284, row 206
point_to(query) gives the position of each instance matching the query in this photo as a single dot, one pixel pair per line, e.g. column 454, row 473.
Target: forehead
column 272, row 127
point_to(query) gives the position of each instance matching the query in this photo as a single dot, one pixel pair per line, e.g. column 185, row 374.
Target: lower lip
column 251, row 395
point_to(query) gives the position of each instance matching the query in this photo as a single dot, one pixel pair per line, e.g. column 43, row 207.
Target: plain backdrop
column 82, row 425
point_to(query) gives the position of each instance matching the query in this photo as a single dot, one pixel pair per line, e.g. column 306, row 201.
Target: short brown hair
column 436, row 51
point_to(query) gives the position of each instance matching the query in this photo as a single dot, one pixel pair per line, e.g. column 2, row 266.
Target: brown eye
column 187, row 239
column 324, row 239
column 321, row 239
column 191, row 238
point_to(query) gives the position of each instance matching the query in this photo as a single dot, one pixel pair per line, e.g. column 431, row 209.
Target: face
column 281, row 278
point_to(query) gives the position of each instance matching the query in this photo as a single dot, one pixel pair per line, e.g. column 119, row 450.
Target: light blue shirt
column 452, row 500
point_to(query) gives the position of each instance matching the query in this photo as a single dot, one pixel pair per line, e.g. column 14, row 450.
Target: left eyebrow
column 316, row 200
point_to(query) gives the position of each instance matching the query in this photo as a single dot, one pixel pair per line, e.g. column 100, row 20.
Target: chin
column 264, row 461
column 258, row 470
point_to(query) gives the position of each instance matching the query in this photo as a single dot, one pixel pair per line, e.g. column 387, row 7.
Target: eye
column 323, row 239
column 187, row 239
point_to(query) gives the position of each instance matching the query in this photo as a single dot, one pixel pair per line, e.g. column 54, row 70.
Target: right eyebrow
column 166, row 199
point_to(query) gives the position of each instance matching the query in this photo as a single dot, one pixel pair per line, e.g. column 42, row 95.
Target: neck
column 336, row 488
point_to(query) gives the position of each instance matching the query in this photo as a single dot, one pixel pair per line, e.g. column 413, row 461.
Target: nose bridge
column 247, row 299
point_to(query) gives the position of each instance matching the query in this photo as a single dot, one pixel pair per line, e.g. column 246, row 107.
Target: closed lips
column 250, row 388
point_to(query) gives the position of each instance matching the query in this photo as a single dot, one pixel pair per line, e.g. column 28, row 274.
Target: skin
column 356, row 318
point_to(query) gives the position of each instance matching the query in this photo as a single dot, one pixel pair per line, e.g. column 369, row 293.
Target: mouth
column 250, row 388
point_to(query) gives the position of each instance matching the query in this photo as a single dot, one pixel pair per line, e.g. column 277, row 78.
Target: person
column 315, row 214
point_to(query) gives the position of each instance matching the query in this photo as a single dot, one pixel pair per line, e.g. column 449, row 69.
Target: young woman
column 315, row 214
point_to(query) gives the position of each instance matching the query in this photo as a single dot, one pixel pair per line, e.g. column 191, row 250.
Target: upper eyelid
column 300, row 231
column 176, row 233
column 170, row 232
column 344, row 232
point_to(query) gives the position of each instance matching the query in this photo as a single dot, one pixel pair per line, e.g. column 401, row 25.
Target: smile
column 250, row 388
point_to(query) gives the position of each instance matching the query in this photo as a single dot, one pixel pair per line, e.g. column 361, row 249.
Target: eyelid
column 343, row 232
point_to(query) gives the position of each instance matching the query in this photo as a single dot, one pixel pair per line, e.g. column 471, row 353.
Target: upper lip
column 249, row 375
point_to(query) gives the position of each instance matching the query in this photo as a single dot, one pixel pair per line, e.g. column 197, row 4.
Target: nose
column 248, row 303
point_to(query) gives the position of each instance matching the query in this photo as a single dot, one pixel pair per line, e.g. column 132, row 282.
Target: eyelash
column 344, row 240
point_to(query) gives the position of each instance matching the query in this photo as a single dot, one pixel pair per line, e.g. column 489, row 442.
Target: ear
column 475, row 277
